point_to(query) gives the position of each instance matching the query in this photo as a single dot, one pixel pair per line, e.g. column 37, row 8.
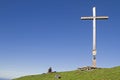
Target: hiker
column 50, row 70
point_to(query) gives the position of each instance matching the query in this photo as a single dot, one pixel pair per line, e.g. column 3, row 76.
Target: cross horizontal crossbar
column 96, row 17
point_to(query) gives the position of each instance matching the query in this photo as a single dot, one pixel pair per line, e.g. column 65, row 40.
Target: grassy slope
column 98, row 74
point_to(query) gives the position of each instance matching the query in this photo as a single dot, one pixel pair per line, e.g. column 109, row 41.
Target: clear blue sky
column 38, row 34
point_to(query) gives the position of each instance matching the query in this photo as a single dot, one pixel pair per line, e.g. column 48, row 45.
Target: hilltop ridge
column 94, row 74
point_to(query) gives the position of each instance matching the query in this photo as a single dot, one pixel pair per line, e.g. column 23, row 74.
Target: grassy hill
column 97, row 74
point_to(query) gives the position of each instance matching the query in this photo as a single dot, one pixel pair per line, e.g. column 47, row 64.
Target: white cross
column 94, row 18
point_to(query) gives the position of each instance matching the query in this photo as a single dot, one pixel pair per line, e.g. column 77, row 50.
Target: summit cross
column 94, row 18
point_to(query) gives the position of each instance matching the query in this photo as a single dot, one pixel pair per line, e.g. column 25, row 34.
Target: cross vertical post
column 94, row 18
column 94, row 38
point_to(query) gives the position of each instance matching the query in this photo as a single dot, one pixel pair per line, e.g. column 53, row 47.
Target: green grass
column 98, row 74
